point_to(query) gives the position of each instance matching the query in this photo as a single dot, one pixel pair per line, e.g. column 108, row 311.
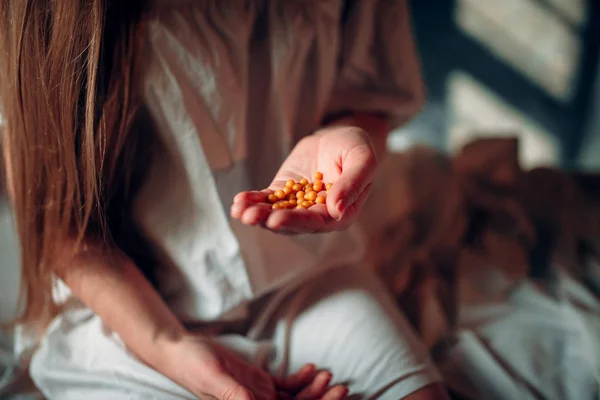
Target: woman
column 130, row 126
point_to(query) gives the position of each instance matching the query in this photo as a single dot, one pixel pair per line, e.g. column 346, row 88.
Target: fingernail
column 341, row 206
column 308, row 367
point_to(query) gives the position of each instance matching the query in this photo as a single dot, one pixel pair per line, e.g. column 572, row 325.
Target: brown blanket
column 444, row 217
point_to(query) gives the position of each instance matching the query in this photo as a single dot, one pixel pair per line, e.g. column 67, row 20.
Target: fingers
column 293, row 222
column 297, row 381
column 244, row 200
column 353, row 210
column 338, row 392
column 287, row 222
column 317, row 388
column 251, row 209
column 358, row 172
column 298, row 221
column 255, row 196
column 251, row 213
column 308, row 384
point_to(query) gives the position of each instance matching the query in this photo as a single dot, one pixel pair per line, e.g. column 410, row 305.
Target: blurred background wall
column 512, row 67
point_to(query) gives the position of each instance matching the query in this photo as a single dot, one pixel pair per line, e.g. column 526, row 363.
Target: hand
column 308, row 384
column 211, row 371
column 345, row 156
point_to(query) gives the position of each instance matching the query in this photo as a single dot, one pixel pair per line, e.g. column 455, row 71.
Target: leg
column 348, row 324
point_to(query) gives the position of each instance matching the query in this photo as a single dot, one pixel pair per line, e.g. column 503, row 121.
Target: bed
column 497, row 268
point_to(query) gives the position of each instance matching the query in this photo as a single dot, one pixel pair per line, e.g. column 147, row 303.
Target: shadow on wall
column 524, row 67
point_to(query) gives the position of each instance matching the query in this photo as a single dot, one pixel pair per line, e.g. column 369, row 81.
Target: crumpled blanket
column 497, row 268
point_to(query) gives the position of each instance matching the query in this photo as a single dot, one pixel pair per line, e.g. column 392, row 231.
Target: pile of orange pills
column 301, row 195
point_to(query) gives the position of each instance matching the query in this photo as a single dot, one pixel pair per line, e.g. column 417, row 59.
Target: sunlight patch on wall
column 529, row 37
column 399, row 141
column 476, row 112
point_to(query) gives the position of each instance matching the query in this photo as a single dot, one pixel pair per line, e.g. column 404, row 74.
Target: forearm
column 114, row 288
column 375, row 125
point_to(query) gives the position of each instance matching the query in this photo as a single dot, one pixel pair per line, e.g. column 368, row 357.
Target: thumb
column 358, row 171
column 225, row 387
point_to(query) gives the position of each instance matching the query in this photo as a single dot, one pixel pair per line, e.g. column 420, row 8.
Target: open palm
column 346, row 158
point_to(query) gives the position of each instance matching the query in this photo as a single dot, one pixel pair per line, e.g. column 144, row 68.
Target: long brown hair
column 67, row 94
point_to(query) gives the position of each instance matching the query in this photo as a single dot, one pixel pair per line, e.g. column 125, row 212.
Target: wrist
column 164, row 352
column 375, row 125
column 179, row 360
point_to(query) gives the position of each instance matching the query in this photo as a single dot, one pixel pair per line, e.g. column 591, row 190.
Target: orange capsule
column 312, row 196
column 300, row 194
column 280, row 194
column 297, row 187
column 306, row 204
column 308, row 188
column 318, row 186
column 320, row 200
column 293, row 202
column 318, row 176
column 299, row 207
column 287, row 190
column 290, row 183
column 304, row 181
column 285, row 204
column 328, row 186
column 272, row 198
column 291, row 196
column 276, row 206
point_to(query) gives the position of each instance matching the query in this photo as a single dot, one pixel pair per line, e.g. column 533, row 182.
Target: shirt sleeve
column 378, row 67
